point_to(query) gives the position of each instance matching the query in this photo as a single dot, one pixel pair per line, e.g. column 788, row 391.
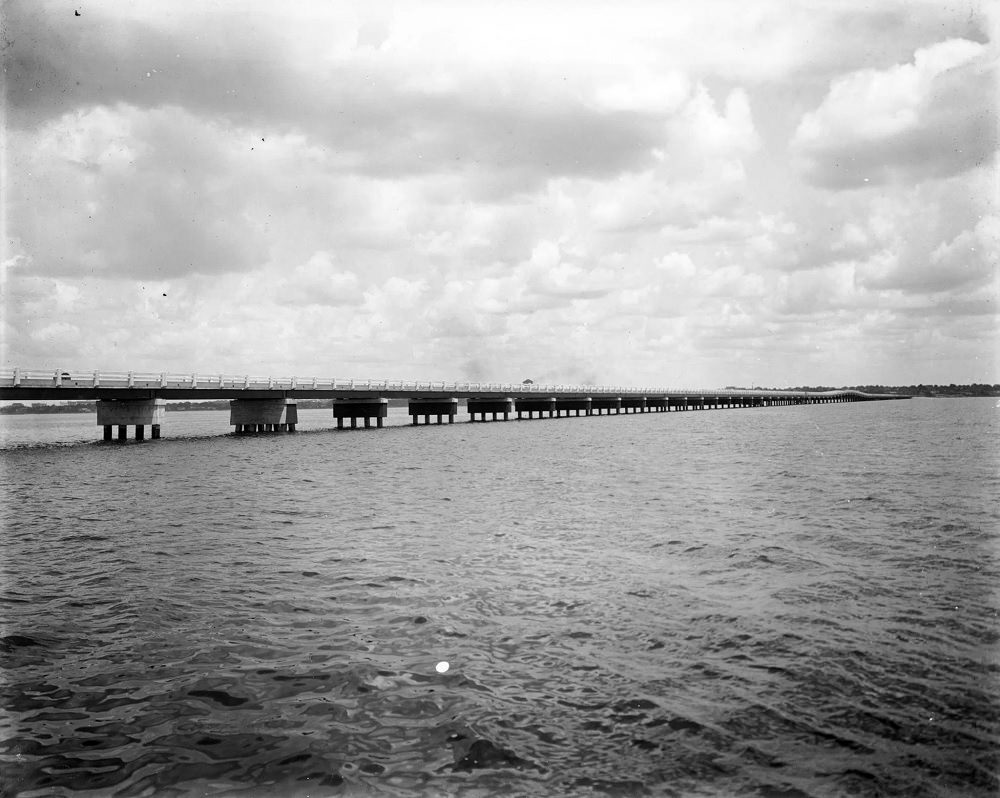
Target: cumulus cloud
column 933, row 117
column 318, row 281
column 364, row 103
column 118, row 191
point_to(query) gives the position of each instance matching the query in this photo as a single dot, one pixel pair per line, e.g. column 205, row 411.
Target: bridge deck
column 17, row 385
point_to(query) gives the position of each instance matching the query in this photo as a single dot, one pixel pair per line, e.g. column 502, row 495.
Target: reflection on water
column 778, row 602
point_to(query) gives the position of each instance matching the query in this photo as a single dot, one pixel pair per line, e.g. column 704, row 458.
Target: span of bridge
column 268, row 404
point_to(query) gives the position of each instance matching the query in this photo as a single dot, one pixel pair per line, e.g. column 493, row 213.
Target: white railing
column 35, row 378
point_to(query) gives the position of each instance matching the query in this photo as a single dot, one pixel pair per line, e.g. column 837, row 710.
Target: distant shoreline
column 927, row 391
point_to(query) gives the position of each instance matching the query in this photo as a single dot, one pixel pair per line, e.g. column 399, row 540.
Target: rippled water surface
column 795, row 601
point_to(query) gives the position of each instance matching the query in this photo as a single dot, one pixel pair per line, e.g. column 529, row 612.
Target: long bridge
column 269, row 404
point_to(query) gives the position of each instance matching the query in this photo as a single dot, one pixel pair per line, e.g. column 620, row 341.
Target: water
column 794, row 601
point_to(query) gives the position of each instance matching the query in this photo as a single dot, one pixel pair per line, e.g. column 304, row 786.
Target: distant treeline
column 18, row 409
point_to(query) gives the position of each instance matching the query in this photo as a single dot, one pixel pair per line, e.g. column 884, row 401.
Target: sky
column 668, row 194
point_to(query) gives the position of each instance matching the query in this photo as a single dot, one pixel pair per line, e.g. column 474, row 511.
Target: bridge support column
column 535, row 403
column 491, row 406
column 634, row 404
column 574, row 404
column 366, row 409
column 125, row 412
column 656, row 405
column 263, row 415
column 433, row 407
column 605, row 404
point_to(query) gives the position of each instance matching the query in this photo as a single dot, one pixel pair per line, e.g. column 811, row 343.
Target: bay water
column 788, row 601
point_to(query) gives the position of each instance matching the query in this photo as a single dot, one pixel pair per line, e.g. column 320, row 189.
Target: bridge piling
column 366, row 409
column 433, row 407
column 123, row 413
column 605, row 404
column 483, row 405
column 261, row 415
column 539, row 404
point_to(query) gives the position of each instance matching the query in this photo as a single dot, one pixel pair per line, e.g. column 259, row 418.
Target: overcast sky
column 652, row 193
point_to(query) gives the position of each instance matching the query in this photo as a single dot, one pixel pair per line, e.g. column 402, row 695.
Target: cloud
column 969, row 260
column 451, row 191
column 934, row 117
column 118, row 191
column 696, row 170
column 373, row 107
column 318, row 281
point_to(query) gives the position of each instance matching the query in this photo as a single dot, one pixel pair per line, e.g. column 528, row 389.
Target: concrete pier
column 656, row 405
column 535, row 404
column 605, row 404
column 634, row 404
column 122, row 413
column 263, row 415
column 433, row 407
column 365, row 409
column 495, row 407
column 574, row 405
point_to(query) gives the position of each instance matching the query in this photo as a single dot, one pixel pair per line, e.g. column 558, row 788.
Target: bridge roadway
column 264, row 404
